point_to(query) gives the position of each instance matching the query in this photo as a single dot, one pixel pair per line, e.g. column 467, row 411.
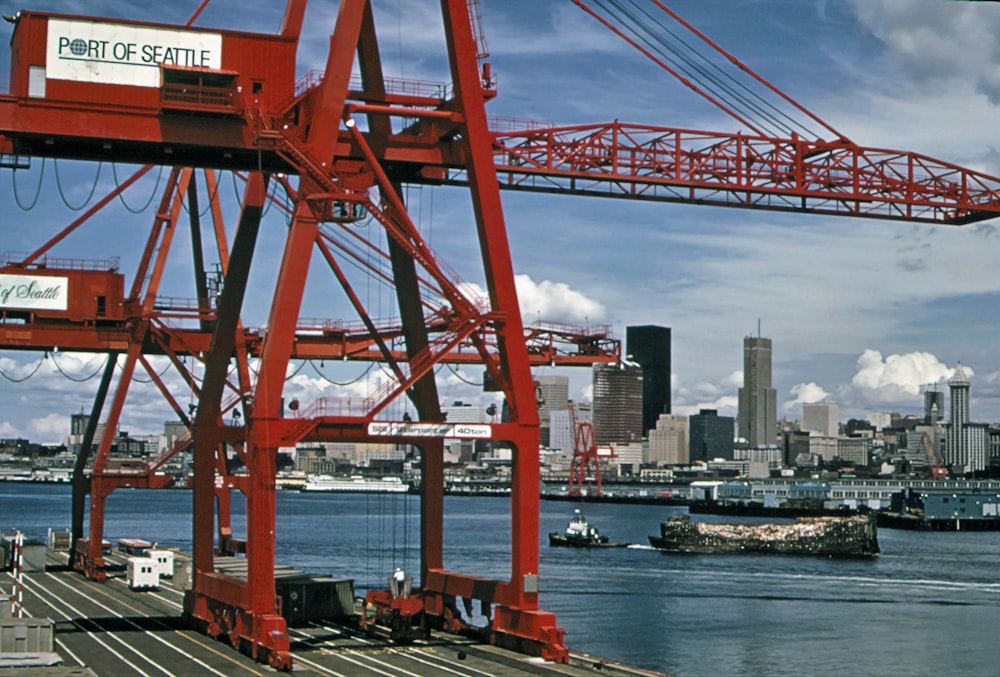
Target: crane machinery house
column 150, row 84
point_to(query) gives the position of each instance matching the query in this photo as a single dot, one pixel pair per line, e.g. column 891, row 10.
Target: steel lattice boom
column 735, row 170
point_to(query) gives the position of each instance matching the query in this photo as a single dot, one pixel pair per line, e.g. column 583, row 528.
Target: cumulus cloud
column 555, row 302
column 53, row 427
column 889, row 378
column 805, row 393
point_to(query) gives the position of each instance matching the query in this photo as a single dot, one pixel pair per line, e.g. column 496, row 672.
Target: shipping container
column 33, row 555
column 26, row 635
column 307, row 598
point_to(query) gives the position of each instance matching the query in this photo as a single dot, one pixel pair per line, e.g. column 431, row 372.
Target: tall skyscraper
column 553, row 393
column 649, row 347
column 617, row 413
column 757, row 406
column 963, row 448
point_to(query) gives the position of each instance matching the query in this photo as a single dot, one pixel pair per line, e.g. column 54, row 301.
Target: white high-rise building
column 668, row 441
column 821, row 418
column 553, row 394
column 966, row 444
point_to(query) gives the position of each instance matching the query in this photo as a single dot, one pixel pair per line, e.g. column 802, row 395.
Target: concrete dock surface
column 108, row 629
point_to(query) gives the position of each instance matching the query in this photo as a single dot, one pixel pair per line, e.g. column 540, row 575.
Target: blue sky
column 862, row 312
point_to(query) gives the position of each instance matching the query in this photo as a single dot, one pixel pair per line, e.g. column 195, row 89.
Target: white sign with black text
column 124, row 54
column 405, row 429
column 34, row 292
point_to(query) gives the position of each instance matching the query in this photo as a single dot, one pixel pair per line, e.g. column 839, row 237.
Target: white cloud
column 896, row 375
column 550, row 301
column 52, row 428
column 805, row 393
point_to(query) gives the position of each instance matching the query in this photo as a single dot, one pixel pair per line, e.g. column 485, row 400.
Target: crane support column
column 518, row 622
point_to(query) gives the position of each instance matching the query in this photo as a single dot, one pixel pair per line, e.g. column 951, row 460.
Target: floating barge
column 854, row 536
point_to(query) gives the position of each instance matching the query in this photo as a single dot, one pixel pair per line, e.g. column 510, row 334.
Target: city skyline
column 863, row 312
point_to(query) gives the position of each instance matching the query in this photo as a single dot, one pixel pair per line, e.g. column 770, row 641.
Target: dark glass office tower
column 649, row 347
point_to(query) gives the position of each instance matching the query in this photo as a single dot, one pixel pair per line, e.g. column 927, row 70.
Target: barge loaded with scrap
column 852, row 536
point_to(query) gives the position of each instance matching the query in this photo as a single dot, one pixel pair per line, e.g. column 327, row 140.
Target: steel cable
column 62, row 193
column 136, row 379
column 13, row 379
column 74, row 378
column 337, row 383
column 461, row 378
column 121, row 196
column 38, row 189
column 737, row 95
column 208, row 206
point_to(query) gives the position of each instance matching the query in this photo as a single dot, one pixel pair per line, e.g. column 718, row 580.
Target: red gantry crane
column 586, row 463
column 196, row 99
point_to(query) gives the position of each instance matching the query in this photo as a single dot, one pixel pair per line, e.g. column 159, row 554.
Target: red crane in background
column 227, row 100
column 586, row 463
column 936, row 467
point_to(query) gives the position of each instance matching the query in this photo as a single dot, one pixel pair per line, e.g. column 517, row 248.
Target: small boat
column 579, row 534
column 852, row 536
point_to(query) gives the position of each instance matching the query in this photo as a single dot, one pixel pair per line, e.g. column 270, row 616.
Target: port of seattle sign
column 124, row 54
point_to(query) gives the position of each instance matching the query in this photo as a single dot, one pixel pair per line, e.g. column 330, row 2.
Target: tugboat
column 579, row 534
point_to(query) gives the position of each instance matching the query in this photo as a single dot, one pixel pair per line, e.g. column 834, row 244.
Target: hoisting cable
column 76, row 379
column 368, row 565
column 395, row 524
column 461, row 378
column 749, row 71
column 670, row 69
column 62, row 194
column 337, row 383
column 22, row 379
column 723, row 95
column 208, row 205
column 747, row 100
column 297, row 370
column 136, row 379
column 152, row 194
column 721, row 88
column 38, row 189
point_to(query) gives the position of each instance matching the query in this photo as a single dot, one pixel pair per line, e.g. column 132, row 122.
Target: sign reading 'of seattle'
column 34, row 292
column 124, row 54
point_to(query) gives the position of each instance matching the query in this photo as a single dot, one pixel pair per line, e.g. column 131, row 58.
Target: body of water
column 928, row 605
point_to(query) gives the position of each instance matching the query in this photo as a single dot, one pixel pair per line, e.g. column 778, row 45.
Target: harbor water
column 928, row 605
